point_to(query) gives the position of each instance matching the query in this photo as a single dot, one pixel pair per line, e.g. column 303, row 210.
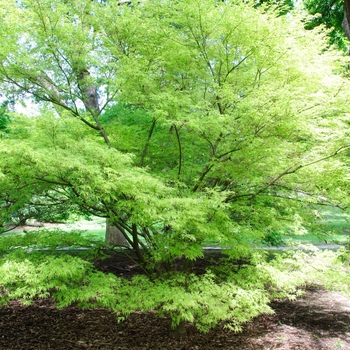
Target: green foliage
column 273, row 238
column 329, row 13
column 71, row 280
column 230, row 295
column 216, row 130
column 46, row 239
column 129, row 126
column 181, row 123
column 5, row 118
column 199, row 300
column 51, row 241
column 282, row 6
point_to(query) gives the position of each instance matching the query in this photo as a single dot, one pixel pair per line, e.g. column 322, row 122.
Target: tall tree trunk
column 346, row 20
column 179, row 331
column 90, row 98
column 114, row 236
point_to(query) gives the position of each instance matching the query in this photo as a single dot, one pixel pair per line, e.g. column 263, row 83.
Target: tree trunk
column 346, row 20
column 114, row 236
column 90, row 98
column 179, row 331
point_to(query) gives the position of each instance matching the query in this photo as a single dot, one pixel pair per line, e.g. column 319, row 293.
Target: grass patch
column 335, row 228
column 95, row 227
column 334, row 224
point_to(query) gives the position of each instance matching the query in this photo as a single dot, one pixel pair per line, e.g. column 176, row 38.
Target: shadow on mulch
column 317, row 321
column 41, row 326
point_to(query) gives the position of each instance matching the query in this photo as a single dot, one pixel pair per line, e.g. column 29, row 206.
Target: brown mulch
column 319, row 320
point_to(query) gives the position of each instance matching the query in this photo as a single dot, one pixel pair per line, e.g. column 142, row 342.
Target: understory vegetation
column 33, row 266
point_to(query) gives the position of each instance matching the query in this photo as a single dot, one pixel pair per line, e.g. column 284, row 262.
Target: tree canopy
column 331, row 14
column 181, row 122
column 222, row 132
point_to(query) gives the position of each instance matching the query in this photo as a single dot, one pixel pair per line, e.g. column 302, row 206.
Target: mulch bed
column 319, row 320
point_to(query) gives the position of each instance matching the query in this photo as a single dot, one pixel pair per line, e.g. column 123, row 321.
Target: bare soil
column 319, row 320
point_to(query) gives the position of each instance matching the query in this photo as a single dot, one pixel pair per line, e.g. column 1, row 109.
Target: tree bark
column 114, row 236
column 90, row 98
column 346, row 20
column 179, row 331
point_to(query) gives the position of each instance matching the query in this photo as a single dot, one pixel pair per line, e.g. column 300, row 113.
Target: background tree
column 346, row 19
column 282, row 6
column 332, row 14
column 4, row 118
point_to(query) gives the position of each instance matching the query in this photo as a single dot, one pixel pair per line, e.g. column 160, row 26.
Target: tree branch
column 145, row 149
column 201, row 178
column 291, row 170
column 180, row 150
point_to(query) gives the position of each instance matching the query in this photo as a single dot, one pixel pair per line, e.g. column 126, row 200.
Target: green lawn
column 335, row 229
column 95, row 227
